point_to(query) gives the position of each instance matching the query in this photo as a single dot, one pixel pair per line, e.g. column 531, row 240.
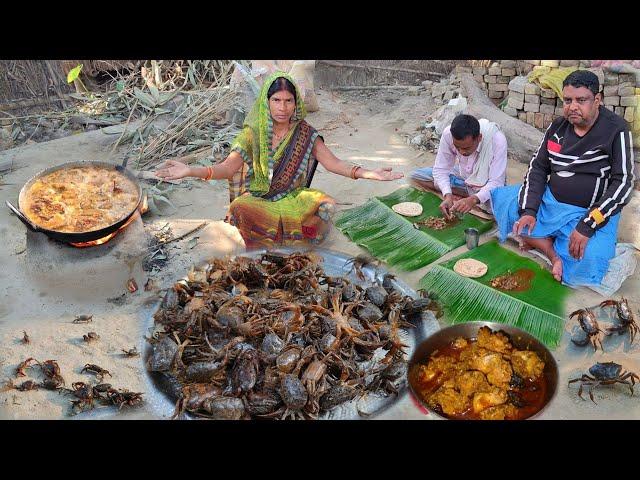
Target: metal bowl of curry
column 483, row 371
column 79, row 201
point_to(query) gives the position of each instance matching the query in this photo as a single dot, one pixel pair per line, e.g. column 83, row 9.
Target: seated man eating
column 471, row 161
column 578, row 181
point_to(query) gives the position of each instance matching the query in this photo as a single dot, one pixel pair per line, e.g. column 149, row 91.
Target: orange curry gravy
column 523, row 278
column 80, row 199
column 533, row 393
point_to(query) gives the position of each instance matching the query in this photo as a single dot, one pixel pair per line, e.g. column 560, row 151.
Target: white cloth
column 480, row 174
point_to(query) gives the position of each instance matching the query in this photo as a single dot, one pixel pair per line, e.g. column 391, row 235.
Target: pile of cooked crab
column 275, row 337
column 484, row 378
column 508, row 281
column 437, row 223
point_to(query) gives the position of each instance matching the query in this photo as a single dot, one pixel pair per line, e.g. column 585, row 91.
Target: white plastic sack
column 302, row 72
column 445, row 114
column 621, row 267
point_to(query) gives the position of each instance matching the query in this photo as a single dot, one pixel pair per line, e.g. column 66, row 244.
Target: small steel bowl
column 520, row 339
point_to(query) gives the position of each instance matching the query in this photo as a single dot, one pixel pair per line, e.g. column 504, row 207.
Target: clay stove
column 99, row 272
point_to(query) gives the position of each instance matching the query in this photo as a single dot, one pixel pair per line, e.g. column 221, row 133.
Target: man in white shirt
column 471, row 161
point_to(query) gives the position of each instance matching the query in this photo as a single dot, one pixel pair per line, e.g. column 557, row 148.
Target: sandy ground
column 47, row 284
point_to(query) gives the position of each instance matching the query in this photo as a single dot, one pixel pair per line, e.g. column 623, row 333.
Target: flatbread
column 468, row 267
column 408, row 209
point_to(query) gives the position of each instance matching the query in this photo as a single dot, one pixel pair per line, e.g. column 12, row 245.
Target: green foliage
column 540, row 310
column 74, row 73
column 394, row 239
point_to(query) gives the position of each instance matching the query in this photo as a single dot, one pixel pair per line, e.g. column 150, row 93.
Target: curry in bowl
column 484, row 378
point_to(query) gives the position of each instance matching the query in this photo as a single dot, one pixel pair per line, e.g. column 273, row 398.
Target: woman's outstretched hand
column 383, row 174
column 173, row 170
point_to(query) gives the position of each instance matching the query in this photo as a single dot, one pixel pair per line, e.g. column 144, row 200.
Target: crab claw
column 608, row 303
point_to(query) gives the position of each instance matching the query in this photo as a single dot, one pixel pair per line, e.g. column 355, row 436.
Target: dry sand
column 43, row 297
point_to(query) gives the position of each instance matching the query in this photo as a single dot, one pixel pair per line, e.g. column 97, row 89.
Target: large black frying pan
column 76, row 237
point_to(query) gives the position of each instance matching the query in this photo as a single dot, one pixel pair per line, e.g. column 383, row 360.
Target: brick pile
column 495, row 78
column 539, row 107
column 444, row 90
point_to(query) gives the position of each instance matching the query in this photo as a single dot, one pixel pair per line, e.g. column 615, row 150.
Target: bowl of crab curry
column 483, row 371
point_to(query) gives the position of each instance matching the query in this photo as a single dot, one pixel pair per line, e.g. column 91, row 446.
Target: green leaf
column 540, row 310
column 191, row 78
column 152, row 206
column 74, row 73
column 193, row 242
column 144, row 98
column 166, row 96
column 155, row 93
column 163, row 199
column 119, row 86
column 393, row 238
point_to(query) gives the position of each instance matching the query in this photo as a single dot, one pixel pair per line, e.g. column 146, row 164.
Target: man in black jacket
column 577, row 183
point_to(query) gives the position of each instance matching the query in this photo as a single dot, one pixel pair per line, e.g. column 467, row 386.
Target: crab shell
column 605, row 371
column 624, row 312
column 588, row 321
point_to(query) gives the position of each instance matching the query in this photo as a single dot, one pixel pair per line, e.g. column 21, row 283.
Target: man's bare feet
column 556, row 268
column 523, row 245
column 544, row 245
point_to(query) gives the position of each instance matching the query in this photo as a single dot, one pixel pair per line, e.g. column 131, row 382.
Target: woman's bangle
column 354, row 171
column 209, row 175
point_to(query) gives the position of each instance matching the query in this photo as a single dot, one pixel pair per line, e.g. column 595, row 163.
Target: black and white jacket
column 594, row 171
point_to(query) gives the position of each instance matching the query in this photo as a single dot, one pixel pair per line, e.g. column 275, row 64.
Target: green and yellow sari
column 271, row 202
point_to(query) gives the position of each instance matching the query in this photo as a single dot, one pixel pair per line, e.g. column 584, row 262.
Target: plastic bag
column 552, row 79
column 621, row 267
column 445, row 114
column 302, row 72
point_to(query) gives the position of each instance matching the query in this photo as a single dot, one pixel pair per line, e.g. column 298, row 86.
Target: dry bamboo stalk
column 156, row 73
column 124, row 129
column 184, row 235
column 32, row 102
column 201, row 112
column 180, row 129
column 57, row 87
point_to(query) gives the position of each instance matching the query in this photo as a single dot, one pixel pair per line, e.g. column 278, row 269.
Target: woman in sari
column 270, row 168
